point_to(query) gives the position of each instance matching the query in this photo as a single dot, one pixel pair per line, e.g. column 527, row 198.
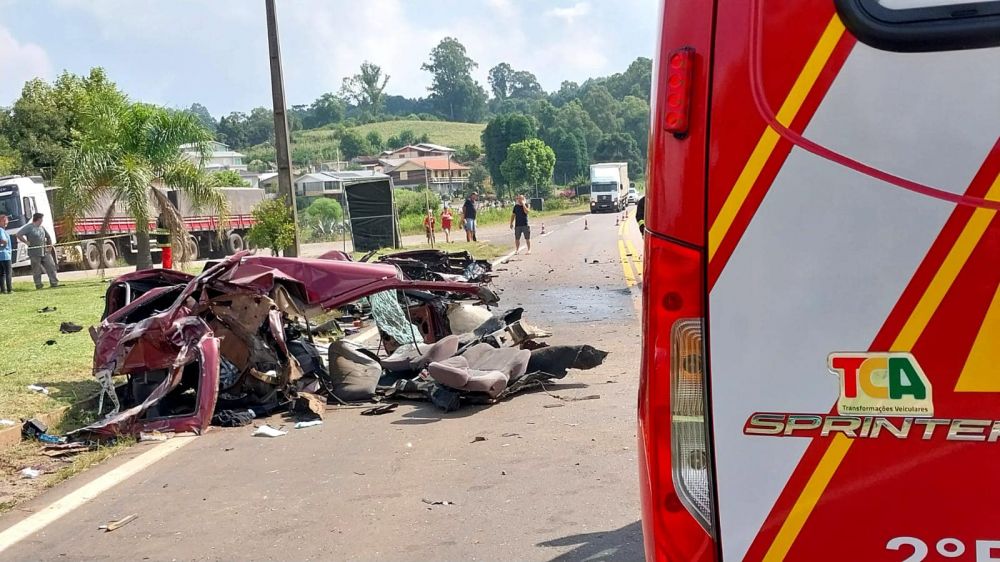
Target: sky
column 214, row 52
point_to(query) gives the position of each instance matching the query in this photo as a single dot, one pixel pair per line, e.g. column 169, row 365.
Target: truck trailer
column 21, row 197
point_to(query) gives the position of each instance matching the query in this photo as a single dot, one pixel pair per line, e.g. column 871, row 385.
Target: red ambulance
column 821, row 354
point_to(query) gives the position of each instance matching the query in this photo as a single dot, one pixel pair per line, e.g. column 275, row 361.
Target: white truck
column 21, row 197
column 608, row 186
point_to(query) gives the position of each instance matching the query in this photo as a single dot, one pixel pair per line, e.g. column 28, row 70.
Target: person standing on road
column 519, row 222
column 469, row 217
column 446, row 223
column 39, row 242
column 429, row 226
column 5, row 257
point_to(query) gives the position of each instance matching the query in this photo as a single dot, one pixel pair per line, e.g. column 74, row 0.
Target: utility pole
column 281, row 125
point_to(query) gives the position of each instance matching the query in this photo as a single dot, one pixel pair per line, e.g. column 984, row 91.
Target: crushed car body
column 237, row 342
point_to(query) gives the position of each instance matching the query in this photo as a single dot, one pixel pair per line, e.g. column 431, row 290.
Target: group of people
column 37, row 239
column 518, row 222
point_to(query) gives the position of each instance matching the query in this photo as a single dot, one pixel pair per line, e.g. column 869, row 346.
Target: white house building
column 218, row 158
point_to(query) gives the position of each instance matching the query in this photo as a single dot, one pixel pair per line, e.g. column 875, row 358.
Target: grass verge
column 25, row 357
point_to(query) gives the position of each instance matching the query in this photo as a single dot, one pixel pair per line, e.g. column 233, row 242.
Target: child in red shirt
column 429, row 226
column 446, row 223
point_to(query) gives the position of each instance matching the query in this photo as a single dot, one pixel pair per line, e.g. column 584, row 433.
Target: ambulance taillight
column 675, row 458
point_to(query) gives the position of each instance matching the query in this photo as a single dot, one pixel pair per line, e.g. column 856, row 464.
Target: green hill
column 455, row 135
column 321, row 144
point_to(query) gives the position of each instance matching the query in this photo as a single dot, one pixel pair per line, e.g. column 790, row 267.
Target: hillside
column 321, row 144
column 455, row 135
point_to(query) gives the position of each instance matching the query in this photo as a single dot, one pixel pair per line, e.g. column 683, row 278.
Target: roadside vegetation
column 26, row 358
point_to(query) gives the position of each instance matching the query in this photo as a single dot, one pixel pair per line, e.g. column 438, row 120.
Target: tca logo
column 881, row 383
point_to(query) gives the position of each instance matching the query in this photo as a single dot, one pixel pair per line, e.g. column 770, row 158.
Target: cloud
column 571, row 13
column 505, row 8
column 19, row 62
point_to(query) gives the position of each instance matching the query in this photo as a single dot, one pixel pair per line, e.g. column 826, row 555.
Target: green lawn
column 454, row 135
column 64, row 367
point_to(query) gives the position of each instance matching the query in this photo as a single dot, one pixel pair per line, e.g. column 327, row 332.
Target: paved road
column 554, row 483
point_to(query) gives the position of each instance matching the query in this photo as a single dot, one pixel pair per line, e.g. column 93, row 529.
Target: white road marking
column 65, row 505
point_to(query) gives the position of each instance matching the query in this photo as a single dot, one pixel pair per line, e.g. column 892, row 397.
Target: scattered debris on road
column 118, row 523
column 305, row 424
column 30, row 473
column 380, row 409
column 478, row 439
column 268, row 431
column 46, row 309
column 437, row 502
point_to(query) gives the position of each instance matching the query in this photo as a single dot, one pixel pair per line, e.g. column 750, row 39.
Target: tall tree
column 366, row 89
column 41, row 122
column 524, row 84
column 122, row 152
column 201, row 113
column 571, row 155
column 602, row 108
column 233, row 130
column 375, row 141
column 501, row 132
column 260, row 126
column 620, row 147
column 327, row 109
column 352, row 145
column 573, row 118
column 635, row 118
column 529, row 164
column 500, row 79
column 454, row 93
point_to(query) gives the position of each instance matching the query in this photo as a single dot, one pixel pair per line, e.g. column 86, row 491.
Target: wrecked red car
column 234, row 337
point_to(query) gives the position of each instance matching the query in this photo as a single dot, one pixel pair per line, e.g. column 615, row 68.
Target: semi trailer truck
column 21, row 197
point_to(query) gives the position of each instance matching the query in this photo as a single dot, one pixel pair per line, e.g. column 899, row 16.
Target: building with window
column 441, row 174
column 330, row 184
column 218, row 158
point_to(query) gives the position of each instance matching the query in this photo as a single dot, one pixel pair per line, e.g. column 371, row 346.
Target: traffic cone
column 543, row 229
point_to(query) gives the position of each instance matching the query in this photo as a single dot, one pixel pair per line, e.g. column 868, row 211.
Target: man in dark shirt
column 519, row 222
column 469, row 217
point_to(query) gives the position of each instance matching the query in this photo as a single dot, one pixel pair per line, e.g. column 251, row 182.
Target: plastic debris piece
column 268, row 431
column 437, row 502
column 30, row 473
column 305, row 424
column 7, row 423
column 51, row 439
column 118, row 523
column 38, row 388
column 478, row 438
column 46, row 309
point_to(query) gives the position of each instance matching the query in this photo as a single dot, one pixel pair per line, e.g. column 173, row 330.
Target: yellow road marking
column 626, row 266
column 636, row 258
column 905, row 340
column 769, row 139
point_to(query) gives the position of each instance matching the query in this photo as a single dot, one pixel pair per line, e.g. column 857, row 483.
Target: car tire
column 191, row 249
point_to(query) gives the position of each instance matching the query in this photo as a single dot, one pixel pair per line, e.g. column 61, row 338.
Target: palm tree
column 126, row 153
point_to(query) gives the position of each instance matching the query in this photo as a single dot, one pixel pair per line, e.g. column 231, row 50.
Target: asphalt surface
column 554, row 480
